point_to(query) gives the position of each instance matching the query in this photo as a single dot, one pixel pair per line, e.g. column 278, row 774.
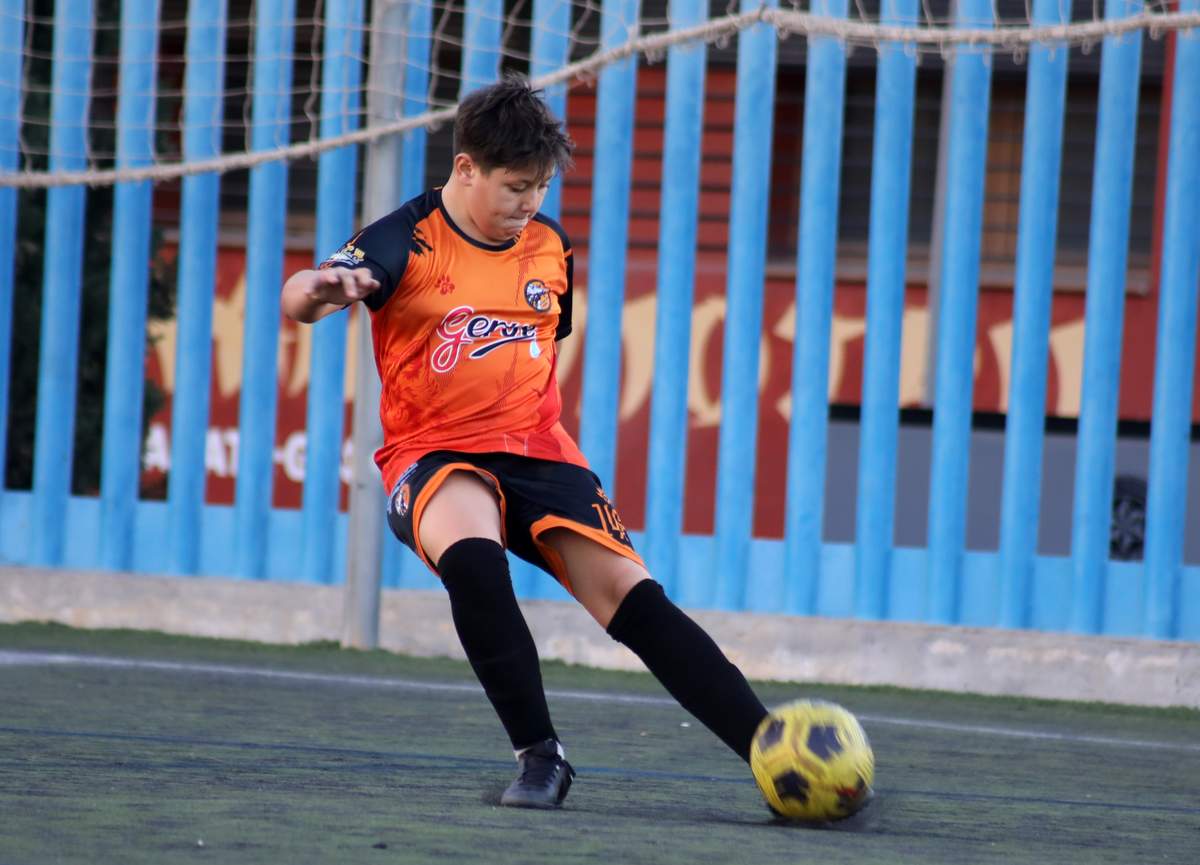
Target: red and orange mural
column 992, row 362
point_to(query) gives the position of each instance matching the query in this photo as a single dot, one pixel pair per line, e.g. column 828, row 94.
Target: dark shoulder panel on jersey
column 564, row 302
column 385, row 245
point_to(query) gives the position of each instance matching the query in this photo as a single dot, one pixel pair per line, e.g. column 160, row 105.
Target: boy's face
column 502, row 201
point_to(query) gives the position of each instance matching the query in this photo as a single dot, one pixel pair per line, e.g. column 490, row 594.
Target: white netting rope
column 654, row 46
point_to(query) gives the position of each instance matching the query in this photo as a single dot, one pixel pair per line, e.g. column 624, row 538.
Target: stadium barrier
column 765, row 646
column 804, row 573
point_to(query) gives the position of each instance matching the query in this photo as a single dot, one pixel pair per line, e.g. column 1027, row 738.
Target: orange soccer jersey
column 464, row 335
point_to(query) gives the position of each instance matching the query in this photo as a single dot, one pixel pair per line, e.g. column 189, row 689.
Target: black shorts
column 535, row 496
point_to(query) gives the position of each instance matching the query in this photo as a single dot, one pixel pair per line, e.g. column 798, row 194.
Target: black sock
column 495, row 637
column 688, row 664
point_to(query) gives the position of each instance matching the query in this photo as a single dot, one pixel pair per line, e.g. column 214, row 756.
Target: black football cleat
column 544, row 779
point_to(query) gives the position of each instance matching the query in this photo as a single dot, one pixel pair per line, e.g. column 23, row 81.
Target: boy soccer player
column 468, row 289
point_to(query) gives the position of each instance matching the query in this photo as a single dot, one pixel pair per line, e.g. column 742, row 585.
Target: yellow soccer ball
column 812, row 761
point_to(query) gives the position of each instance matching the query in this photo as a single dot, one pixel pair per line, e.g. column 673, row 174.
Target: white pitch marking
column 47, row 659
column 1019, row 733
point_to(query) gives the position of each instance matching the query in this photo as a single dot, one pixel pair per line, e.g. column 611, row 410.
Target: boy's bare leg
column 463, row 507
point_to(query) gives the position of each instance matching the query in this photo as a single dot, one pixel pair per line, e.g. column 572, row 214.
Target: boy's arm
column 310, row 295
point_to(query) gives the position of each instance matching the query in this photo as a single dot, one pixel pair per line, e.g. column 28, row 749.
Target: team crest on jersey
column 537, row 295
column 349, row 256
column 462, row 326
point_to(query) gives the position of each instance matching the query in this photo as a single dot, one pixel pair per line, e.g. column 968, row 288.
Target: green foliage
column 97, row 257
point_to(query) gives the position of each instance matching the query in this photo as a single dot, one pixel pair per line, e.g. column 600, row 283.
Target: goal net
column 426, row 55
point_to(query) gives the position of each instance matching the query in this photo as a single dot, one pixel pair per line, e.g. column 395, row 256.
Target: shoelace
column 537, row 769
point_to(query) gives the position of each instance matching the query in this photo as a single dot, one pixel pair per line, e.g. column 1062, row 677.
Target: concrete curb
column 783, row 648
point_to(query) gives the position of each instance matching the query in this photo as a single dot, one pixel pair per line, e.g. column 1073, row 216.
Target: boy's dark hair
column 508, row 125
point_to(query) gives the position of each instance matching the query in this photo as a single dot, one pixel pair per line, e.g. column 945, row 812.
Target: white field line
column 47, row 659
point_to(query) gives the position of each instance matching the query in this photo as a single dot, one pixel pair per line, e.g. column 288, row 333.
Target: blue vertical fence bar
column 967, row 155
column 481, row 44
column 1108, row 252
column 753, row 120
column 273, row 49
column 1166, row 508
column 341, row 74
column 551, row 28
column 416, row 97
column 1033, row 296
column 676, row 278
column 58, row 353
column 203, row 113
column 816, row 258
column 418, row 44
column 608, row 235
column 891, row 177
column 128, row 286
column 11, row 34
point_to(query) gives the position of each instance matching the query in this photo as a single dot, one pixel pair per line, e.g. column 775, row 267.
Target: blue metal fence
column 61, row 282
column 335, row 222
column 200, row 209
column 802, row 573
column 1108, row 252
column 612, row 163
column 824, row 97
column 1033, row 294
column 736, row 459
column 270, row 128
column 955, row 371
column 11, row 40
column 1176, row 350
column 886, row 258
column 123, row 384
column 684, row 123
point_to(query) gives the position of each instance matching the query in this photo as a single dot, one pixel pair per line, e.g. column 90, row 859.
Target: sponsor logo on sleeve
column 348, row 256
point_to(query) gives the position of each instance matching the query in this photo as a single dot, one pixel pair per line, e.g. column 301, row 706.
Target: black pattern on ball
column 823, row 741
column 792, row 785
column 770, row 737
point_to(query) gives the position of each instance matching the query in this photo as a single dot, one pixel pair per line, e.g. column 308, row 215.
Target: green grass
column 103, row 764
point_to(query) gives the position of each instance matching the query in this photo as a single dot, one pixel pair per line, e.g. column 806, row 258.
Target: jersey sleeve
column 383, row 247
column 564, row 300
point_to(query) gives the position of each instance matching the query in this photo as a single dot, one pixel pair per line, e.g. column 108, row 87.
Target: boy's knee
column 473, row 562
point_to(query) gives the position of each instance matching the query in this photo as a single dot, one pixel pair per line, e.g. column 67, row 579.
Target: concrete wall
column 785, row 648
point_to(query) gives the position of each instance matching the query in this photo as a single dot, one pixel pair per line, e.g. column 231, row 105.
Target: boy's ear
column 465, row 169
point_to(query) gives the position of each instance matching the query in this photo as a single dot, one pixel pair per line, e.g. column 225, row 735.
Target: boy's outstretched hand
column 342, row 285
column 310, row 295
